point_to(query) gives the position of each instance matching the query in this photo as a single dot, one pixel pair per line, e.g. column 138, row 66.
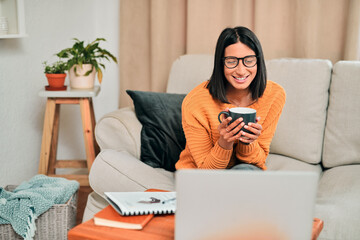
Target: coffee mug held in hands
column 248, row 115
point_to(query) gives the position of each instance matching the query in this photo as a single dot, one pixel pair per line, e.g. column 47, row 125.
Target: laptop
column 233, row 204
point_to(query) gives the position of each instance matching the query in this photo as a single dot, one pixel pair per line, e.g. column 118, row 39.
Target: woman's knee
column 246, row 166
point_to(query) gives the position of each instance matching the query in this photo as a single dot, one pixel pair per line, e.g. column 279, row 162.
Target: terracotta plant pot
column 79, row 80
column 56, row 80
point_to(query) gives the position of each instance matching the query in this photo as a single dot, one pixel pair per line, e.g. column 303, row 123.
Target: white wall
column 50, row 26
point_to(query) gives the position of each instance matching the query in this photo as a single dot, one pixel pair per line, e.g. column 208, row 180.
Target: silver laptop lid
column 233, row 204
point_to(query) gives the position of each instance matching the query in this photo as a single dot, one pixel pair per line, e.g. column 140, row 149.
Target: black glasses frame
column 238, row 60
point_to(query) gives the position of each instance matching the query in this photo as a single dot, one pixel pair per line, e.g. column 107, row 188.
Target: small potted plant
column 84, row 61
column 55, row 74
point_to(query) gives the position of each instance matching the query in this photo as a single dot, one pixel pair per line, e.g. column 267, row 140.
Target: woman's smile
column 240, row 79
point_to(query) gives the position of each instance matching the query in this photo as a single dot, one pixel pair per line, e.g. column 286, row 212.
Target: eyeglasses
column 248, row 61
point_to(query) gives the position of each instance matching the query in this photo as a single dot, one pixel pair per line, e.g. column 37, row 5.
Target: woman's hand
column 255, row 128
column 229, row 133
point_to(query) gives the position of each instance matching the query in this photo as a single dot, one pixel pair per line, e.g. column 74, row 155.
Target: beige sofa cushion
column 301, row 126
column 338, row 203
column 342, row 133
column 278, row 162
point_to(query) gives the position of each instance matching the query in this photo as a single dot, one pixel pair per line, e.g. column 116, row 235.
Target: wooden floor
column 82, row 199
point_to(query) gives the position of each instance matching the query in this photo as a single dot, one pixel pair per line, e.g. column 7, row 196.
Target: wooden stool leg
column 47, row 136
column 88, row 131
column 54, row 141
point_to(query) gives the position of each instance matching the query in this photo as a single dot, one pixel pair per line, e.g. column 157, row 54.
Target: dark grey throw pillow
column 162, row 135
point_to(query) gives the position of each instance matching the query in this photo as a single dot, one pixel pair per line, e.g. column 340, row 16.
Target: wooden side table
column 48, row 162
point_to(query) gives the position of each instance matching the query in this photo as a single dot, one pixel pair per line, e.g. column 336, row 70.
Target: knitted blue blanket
column 30, row 199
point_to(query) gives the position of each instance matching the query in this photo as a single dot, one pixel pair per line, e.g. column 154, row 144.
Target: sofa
column 318, row 131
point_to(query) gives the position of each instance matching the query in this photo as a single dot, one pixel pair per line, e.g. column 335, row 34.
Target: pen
column 168, row 200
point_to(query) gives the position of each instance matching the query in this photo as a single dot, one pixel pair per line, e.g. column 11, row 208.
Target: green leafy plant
column 80, row 54
column 58, row 67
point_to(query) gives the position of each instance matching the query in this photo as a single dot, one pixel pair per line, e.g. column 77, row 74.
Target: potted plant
column 84, row 61
column 55, row 74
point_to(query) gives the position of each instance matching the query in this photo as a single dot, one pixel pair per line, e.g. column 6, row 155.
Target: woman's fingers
column 232, row 131
column 234, row 127
column 255, row 131
column 223, row 126
column 255, row 128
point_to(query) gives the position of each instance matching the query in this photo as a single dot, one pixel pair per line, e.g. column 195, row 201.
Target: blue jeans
column 245, row 166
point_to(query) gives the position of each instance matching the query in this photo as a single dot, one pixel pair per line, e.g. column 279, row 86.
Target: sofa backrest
column 342, row 132
column 188, row 71
column 300, row 130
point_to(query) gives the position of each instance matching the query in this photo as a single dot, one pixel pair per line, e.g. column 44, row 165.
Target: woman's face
column 241, row 76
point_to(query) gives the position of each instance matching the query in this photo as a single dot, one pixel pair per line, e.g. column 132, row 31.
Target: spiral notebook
column 142, row 203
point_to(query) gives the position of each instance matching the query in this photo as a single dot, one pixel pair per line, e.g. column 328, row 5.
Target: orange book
column 109, row 217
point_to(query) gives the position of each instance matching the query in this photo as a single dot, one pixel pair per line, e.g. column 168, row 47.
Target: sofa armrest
column 119, row 171
column 119, row 130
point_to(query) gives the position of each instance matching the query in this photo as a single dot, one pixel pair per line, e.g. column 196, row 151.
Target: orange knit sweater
column 200, row 122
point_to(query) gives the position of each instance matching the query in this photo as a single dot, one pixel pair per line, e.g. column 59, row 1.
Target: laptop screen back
column 233, row 204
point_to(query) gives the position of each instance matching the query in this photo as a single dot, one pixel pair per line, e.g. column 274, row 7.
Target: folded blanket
column 21, row 207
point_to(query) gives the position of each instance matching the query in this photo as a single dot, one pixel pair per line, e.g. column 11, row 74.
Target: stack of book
column 133, row 210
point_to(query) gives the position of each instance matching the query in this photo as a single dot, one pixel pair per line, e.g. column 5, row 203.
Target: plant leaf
column 99, row 75
column 100, row 39
column 76, row 74
column 88, row 72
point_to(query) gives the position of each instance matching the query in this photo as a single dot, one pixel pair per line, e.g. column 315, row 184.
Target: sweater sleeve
column 205, row 154
column 257, row 152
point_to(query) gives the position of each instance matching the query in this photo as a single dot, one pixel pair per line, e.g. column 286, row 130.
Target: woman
column 238, row 80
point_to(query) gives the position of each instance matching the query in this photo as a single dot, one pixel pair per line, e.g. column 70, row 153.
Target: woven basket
column 52, row 224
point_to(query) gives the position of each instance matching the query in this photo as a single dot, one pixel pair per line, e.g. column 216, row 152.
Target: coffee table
column 161, row 227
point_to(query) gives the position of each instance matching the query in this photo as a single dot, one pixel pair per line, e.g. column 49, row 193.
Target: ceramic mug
column 248, row 115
